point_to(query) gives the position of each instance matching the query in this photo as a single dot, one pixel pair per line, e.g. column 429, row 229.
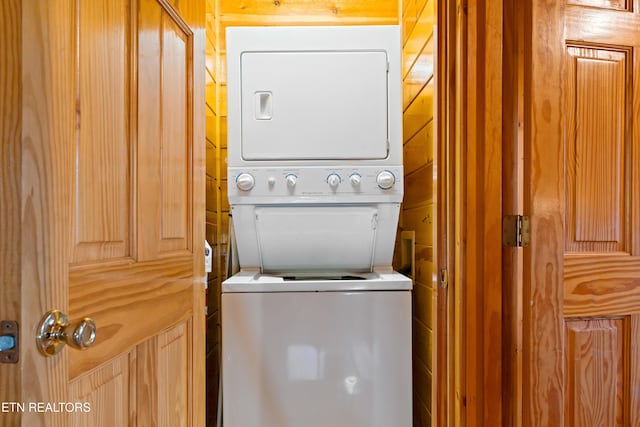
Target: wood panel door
column 109, row 157
column 582, row 270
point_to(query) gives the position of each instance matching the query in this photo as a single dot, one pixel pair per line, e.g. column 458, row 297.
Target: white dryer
column 316, row 326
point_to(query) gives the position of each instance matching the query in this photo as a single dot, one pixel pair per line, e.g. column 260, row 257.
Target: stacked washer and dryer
column 316, row 326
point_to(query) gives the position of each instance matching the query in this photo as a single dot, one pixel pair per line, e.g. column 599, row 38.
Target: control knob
column 245, row 181
column 291, row 180
column 333, row 180
column 385, row 180
column 355, row 179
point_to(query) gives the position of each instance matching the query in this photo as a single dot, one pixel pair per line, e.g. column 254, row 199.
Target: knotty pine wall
column 418, row 21
column 216, row 173
column 418, row 213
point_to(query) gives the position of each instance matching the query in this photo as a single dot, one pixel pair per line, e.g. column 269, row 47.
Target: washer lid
column 251, row 281
column 319, row 105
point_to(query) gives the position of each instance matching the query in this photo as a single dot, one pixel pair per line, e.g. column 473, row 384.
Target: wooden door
column 108, row 149
column 582, row 181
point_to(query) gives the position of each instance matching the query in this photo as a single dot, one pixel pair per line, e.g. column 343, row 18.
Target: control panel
column 315, row 181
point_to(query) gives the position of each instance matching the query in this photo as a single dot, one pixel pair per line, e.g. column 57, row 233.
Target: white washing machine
column 316, row 326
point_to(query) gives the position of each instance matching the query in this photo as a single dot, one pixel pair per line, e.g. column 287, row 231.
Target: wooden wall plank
column 419, row 112
column 419, row 35
column 418, row 189
column 326, row 10
column 418, row 151
column 419, row 74
column 420, row 220
column 417, row 213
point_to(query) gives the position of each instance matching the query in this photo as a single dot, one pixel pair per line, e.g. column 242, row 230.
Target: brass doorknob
column 54, row 331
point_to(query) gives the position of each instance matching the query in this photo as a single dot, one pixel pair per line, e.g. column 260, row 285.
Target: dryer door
column 314, row 105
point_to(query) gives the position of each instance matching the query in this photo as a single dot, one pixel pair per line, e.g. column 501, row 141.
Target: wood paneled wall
column 418, row 209
column 215, row 172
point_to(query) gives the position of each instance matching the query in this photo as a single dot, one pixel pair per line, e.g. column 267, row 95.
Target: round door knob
column 55, row 330
column 355, row 179
column 334, row 180
column 291, row 180
column 385, row 180
column 245, row 181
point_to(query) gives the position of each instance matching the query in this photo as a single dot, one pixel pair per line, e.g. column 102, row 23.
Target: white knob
column 291, row 180
column 333, row 180
column 355, row 179
column 245, row 181
column 271, row 181
column 385, row 180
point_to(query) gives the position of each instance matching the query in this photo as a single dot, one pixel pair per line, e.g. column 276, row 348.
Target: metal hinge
column 516, row 231
column 444, row 278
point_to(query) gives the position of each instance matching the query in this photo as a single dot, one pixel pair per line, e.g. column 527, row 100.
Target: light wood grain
column 419, row 74
column 420, row 220
column 148, row 176
column 419, row 150
column 162, row 293
column 173, row 381
column 103, row 173
column 193, row 12
column 10, row 194
column 587, row 65
column 601, row 285
column 79, row 104
column 418, row 209
column 543, row 336
column 370, row 9
column 418, row 35
column 425, row 271
column 596, row 149
column 147, row 401
column 48, row 108
column 417, row 189
column 595, row 372
column 419, row 112
column 422, row 371
column 423, row 295
column 106, row 391
column 176, row 139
